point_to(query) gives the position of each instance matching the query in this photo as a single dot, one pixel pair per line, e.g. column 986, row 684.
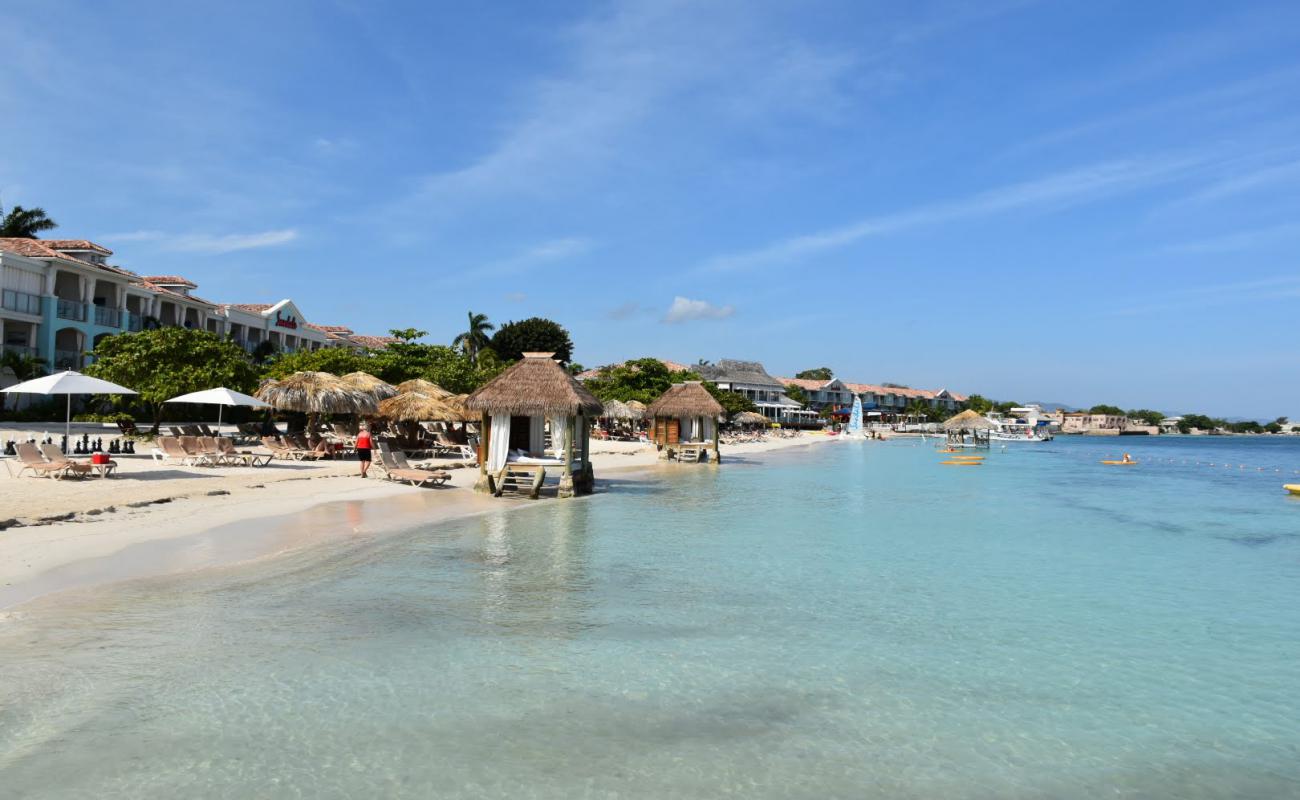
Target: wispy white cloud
column 685, row 309
column 542, row 253
column 625, row 311
column 1264, row 177
column 228, row 243
column 133, row 236
column 1044, row 194
column 1241, row 240
column 516, row 297
column 627, row 68
column 1258, row 290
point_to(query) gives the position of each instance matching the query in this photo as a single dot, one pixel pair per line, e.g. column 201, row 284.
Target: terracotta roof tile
column 375, row 342
column 77, row 244
column 255, row 308
column 171, row 280
column 671, row 366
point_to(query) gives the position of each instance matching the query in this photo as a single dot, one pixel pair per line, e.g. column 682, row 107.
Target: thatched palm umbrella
column 415, row 407
column 617, row 409
column 423, row 387
column 685, row 403
column 369, row 383
column 316, row 393
column 457, row 404
column 970, row 422
column 750, row 418
column 536, row 387
column 637, row 407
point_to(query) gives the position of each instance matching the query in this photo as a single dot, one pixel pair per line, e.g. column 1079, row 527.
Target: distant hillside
column 1051, row 406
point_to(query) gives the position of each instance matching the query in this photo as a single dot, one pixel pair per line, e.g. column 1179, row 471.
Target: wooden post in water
column 484, row 483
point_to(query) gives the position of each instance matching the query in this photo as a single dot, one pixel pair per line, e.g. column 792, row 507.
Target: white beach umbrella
column 220, row 397
column 68, row 383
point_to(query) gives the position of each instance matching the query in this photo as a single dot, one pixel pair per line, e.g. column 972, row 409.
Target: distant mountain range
column 1051, row 406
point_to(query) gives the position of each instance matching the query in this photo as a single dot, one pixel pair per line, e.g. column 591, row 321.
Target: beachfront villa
column 59, row 297
column 533, row 398
column 683, row 423
column 750, row 380
column 882, row 402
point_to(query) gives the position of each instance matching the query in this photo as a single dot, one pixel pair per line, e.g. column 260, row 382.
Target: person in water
column 364, row 445
column 1128, row 459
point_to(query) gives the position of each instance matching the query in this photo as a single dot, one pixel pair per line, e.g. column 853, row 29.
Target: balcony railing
column 21, row 349
column 108, row 317
column 68, row 359
column 132, row 322
column 21, row 302
column 71, row 309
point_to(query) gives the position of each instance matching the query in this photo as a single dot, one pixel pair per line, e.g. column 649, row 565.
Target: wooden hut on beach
column 516, row 407
column 968, row 429
column 683, row 423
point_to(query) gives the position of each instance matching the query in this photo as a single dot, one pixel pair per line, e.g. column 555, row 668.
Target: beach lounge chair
column 281, row 450
column 79, row 468
column 415, row 477
column 168, row 450
column 198, row 455
column 443, row 445
column 399, row 460
column 191, row 430
column 226, row 448
column 37, row 464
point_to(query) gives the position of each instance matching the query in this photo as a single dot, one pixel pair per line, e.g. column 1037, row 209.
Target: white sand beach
column 154, row 518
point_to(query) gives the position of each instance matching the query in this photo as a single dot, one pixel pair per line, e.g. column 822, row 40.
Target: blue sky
column 1079, row 202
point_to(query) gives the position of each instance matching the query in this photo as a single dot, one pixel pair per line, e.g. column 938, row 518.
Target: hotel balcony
column 71, row 309
column 20, row 302
column 132, row 322
column 108, row 317
column 21, row 350
column 68, row 359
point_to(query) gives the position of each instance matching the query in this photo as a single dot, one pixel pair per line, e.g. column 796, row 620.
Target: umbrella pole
column 220, row 408
column 67, row 425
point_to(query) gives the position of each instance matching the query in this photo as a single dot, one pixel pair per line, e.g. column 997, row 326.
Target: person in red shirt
column 364, row 444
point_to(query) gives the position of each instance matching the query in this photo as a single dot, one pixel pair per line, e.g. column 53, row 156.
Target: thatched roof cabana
column 538, row 388
column 638, row 407
column 370, row 384
column 316, row 393
column 750, row 418
column 968, row 421
column 686, row 414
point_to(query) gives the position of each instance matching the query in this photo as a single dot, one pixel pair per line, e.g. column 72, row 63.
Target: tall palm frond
column 476, row 337
column 25, row 223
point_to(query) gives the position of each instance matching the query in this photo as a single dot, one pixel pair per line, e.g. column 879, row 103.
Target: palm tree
column 476, row 338
column 23, row 367
column 25, row 223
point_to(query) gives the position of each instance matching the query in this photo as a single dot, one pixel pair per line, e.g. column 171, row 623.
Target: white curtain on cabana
column 709, row 426
column 559, row 434
column 695, row 430
column 536, row 435
column 499, row 444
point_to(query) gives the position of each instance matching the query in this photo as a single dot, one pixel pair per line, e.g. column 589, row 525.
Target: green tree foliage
column 25, row 223
column 642, row 379
column 1105, row 409
column 1273, row 427
column 1200, row 422
column 797, row 394
column 24, row 368
column 335, row 360
column 163, row 363
column 979, row 404
column 818, row 374
column 533, row 335
column 732, row 402
column 475, row 338
column 1146, row 415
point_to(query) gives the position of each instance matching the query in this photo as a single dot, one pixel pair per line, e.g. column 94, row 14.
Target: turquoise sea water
column 851, row 620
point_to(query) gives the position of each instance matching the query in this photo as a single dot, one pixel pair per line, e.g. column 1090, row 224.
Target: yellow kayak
column 1121, row 463
column 962, row 463
column 1293, row 488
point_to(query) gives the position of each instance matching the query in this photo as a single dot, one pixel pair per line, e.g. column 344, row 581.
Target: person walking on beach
column 364, row 444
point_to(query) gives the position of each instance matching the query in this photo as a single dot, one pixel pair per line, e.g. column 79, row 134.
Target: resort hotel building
column 882, row 403
column 59, row 297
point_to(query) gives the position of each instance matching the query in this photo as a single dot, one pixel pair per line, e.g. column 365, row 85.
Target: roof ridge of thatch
column 536, row 385
column 689, row 399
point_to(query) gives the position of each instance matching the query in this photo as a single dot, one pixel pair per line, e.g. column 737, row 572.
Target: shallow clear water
column 850, row 620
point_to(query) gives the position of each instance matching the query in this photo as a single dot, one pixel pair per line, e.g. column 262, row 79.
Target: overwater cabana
column 516, row 407
column 683, row 423
column 968, row 429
